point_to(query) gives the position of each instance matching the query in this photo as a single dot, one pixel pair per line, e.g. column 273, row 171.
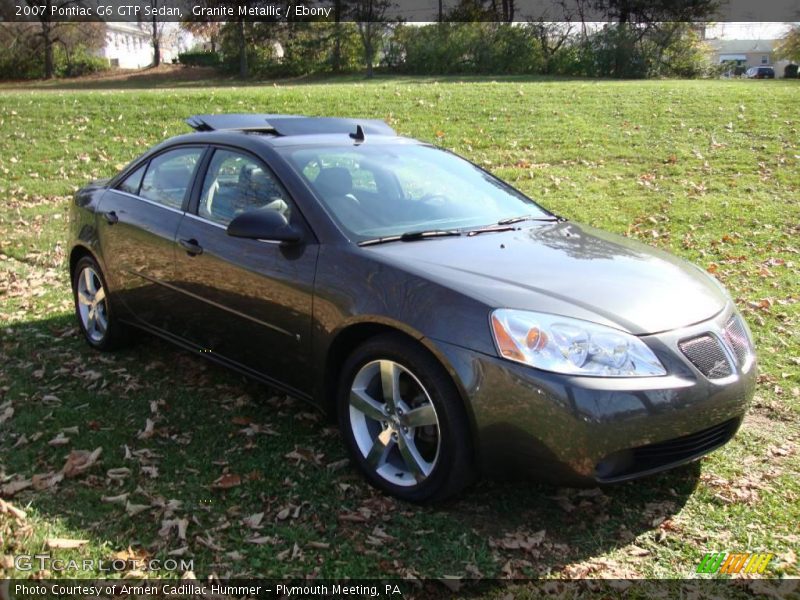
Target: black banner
column 388, row 589
column 386, row 10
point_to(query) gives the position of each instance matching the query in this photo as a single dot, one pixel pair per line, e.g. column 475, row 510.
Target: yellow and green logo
column 731, row 563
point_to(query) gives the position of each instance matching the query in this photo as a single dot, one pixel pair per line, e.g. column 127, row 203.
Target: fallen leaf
column 260, row 539
column 120, row 499
column 227, row 481
column 79, row 461
column 6, row 415
column 59, row 440
column 147, row 432
column 63, row 543
column 47, row 480
column 13, row 487
column 254, row 520
column 135, row 509
column 118, row 473
column 319, row 545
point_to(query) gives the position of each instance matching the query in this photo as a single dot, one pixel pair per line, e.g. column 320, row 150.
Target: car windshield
column 377, row 191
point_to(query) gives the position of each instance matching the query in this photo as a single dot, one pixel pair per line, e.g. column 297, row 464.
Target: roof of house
column 742, row 46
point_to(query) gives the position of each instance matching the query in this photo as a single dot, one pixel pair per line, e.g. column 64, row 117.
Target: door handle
column 111, row 217
column 191, row 246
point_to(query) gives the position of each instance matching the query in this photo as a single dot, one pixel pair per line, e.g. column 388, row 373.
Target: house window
column 764, row 59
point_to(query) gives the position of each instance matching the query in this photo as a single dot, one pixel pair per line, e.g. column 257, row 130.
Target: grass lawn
column 198, row 463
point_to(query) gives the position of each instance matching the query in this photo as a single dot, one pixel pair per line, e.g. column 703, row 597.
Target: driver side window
column 236, row 183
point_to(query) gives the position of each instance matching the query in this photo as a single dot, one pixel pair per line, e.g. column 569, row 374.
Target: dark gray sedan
column 452, row 325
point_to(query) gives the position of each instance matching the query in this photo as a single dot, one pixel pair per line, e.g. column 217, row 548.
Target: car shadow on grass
column 260, row 482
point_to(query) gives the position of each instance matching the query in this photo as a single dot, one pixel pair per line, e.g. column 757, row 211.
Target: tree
column 636, row 20
column 207, row 30
column 789, row 47
column 552, row 36
column 49, row 29
column 370, row 15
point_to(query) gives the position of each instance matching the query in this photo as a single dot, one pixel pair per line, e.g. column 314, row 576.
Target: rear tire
column 96, row 319
column 403, row 421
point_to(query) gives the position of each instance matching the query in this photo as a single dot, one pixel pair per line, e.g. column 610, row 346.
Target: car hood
column 567, row 269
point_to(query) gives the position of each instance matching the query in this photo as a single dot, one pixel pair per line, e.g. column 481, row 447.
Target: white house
column 130, row 46
column 127, row 46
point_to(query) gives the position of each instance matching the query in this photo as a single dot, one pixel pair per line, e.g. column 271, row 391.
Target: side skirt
column 225, row 362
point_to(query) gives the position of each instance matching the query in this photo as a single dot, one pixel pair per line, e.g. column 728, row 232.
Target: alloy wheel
column 394, row 423
column 92, row 304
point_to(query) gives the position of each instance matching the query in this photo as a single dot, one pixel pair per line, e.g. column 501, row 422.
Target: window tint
column 131, row 183
column 361, row 175
column 236, row 183
column 169, row 175
column 385, row 190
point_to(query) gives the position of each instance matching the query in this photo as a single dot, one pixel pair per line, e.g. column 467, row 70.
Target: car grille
column 736, row 336
column 653, row 457
column 707, row 354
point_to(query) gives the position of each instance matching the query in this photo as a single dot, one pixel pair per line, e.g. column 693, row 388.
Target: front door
column 247, row 301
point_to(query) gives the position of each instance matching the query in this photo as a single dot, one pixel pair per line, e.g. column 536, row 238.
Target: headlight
column 571, row 346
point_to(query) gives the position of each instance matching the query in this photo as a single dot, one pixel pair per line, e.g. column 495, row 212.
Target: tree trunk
column 156, row 42
column 369, row 53
column 336, row 61
column 244, row 70
column 49, row 63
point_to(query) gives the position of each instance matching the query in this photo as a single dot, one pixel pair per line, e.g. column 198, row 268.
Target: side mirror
column 264, row 224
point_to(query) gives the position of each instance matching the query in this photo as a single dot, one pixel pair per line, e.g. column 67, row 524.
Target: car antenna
column 359, row 134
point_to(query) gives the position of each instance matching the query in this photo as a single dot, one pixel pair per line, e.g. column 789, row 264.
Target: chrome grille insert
column 707, row 354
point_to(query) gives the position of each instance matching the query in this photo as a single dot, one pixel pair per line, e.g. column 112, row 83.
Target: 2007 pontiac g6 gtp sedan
column 451, row 324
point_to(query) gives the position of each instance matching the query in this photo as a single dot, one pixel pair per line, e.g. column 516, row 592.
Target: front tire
column 403, row 421
column 97, row 322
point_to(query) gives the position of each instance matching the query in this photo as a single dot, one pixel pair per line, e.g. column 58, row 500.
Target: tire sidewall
column 445, row 400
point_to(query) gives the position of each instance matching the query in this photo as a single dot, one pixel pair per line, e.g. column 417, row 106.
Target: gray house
column 747, row 53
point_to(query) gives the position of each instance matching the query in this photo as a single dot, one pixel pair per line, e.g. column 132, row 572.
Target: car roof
column 289, row 130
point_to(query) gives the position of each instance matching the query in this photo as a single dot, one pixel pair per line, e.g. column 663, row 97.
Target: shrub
column 199, row 59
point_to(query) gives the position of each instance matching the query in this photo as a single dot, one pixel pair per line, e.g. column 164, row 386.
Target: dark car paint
column 281, row 319
column 562, row 268
column 560, row 427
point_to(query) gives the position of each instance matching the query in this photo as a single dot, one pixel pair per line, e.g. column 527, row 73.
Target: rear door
column 247, row 301
column 137, row 223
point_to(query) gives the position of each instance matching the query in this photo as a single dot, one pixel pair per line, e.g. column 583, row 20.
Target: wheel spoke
column 88, row 280
column 419, row 417
column 417, row 465
column 83, row 298
column 100, row 295
column 101, row 321
column 91, row 324
column 361, row 401
column 380, row 449
column 390, row 376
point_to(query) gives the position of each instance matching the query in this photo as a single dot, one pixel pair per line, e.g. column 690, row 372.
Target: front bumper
column 584, row 430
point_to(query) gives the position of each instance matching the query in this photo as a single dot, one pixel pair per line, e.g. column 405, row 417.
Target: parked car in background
column 760, row 73
column 451, row 324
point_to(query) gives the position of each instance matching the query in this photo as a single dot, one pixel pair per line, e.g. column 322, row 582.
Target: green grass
column 706, row 169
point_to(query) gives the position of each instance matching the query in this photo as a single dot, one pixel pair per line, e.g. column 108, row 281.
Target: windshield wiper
column 520, row 219
column 411, row 236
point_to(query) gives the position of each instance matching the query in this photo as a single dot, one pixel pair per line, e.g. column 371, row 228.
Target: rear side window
column 132, row 182
column 169, row 175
